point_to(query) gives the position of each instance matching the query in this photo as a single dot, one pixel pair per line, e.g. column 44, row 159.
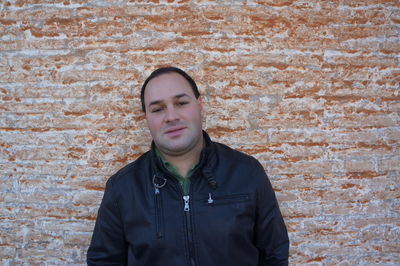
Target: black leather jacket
column 231, row 216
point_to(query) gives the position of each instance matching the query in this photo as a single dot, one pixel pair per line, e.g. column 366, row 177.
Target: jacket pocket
column 227, row 199
column 159, row 216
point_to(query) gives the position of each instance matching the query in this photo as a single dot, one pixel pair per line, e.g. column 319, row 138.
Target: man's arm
column 108, row 245
column 271, row 235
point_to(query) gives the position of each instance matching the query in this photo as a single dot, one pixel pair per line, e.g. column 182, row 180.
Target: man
column 189, row 200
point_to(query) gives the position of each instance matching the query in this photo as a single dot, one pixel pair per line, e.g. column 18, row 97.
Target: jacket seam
column 113, row 198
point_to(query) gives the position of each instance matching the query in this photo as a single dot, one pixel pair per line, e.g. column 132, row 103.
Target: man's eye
column 155, row 110
column 182, row 103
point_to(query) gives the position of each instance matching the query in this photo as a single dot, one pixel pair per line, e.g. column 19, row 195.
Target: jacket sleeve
column 271, row 235
column 108, row 245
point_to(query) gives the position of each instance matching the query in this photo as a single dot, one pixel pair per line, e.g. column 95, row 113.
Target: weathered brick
column 360, row 165
column 311, row 89
column 391, row 164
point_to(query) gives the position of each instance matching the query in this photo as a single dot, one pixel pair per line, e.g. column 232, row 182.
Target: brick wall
column 310, row 88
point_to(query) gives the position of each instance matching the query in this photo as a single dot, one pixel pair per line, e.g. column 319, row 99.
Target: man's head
column 170, row 100
column 166, row 70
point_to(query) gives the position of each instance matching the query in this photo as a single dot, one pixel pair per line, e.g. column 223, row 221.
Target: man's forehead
column 168, row 85
column 166, row 79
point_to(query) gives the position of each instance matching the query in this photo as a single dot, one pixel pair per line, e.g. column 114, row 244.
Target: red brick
column 392, row 164
column 359, row 165
column 308, row 88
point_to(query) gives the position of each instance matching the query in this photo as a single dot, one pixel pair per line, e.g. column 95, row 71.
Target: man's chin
column 175, row 150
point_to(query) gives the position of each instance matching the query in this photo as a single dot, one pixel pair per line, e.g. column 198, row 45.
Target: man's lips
column 174, row 130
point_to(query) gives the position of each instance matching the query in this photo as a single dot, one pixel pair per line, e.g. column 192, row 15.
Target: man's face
column 173, row 114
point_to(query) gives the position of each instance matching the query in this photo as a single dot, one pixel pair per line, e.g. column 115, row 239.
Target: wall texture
column 310, row 88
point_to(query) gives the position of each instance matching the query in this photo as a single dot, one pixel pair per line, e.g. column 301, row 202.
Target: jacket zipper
column 159, row 214
column 186, row 209
column 188, row 219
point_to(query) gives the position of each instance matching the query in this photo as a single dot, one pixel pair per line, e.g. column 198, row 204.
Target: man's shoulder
column 233, row 156
column 238, row 167
column 128, row 172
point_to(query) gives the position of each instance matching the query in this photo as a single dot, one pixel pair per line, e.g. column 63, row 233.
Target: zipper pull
column 186, row 200
column 156, row 191
column 210, row 200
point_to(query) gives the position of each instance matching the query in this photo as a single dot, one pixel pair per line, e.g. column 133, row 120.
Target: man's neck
column 185, row 161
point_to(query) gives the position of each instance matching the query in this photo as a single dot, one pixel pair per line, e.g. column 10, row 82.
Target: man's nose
column 171, row 114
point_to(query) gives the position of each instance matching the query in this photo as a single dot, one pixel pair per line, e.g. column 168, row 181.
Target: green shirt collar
column 172, row 168
column 184, row 181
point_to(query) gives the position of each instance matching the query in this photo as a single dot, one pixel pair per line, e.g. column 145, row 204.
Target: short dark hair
column 166, row 70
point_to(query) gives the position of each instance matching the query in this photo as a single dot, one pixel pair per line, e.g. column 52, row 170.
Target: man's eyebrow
column 178, row 96
column 181, row 95
column 154, row 103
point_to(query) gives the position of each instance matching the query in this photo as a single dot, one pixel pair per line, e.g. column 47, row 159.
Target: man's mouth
column 175, row 131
